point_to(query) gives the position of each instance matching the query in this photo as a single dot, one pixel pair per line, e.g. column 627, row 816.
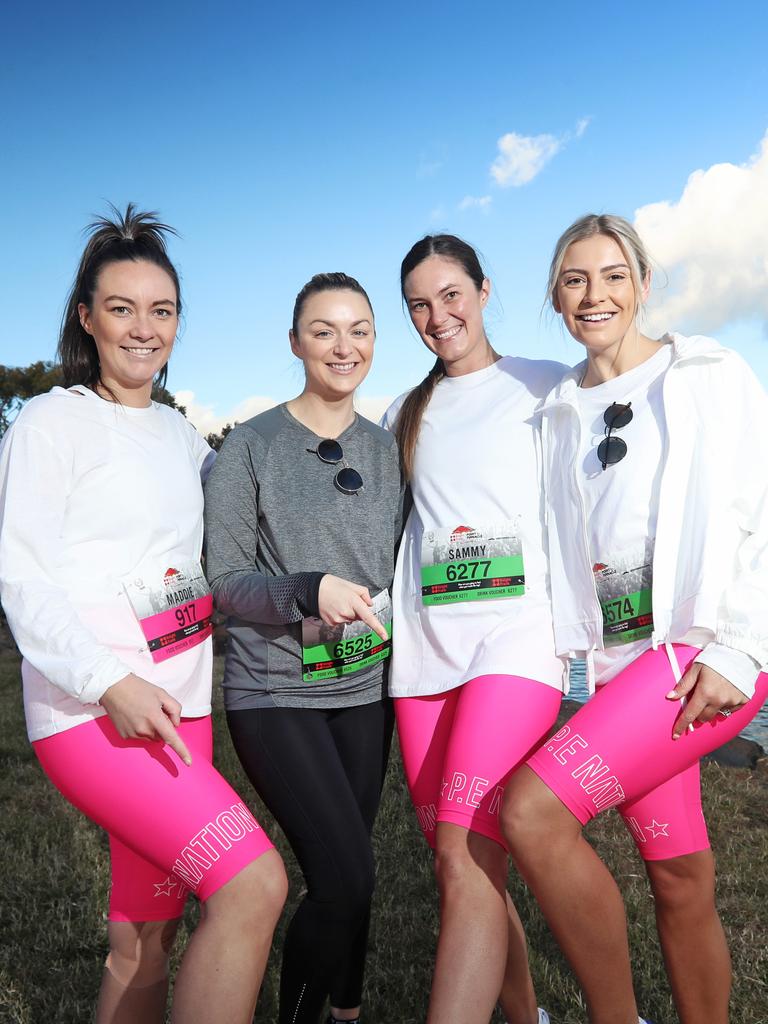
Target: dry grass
column 56, row 877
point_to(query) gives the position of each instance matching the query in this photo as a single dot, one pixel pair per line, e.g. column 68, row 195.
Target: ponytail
column 411, row 412
column 134, row 235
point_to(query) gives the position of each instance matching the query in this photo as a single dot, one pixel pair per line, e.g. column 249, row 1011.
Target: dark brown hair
column 134, row 235
column 450, row 247
column 335, row 282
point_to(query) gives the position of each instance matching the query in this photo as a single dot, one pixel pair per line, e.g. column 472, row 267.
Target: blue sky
column 283, row 142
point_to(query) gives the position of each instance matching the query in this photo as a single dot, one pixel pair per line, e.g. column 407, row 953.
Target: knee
column 255, row 897
column 462, row 867
column 452, row 870
column 139, row 951
column 527, row 818
column 683, row 884
column 352, row 892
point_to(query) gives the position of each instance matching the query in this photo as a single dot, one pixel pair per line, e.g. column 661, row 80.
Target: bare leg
column 517, row 999
column 472, row 948
column 338, row 1014
column 576, row 893
column 134, row 986
column 692, row 938
column 224, row 963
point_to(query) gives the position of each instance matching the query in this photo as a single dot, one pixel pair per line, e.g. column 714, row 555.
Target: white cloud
column 475, row 203
column 712, row 245
column 581, row 126
column 428, row 168
column 373, row 407
column 522, row 157
column 207, row 421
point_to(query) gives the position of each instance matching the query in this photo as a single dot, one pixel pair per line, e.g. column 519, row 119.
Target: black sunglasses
column 347, row 480
column 613, row 449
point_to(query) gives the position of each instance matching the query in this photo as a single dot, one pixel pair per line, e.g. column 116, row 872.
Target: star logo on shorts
column 165, row 888
column 657, row 830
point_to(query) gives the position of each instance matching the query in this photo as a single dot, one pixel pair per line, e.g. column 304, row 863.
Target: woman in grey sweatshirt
column 303, row 512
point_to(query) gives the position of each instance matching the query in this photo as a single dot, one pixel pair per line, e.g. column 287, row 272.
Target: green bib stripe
column 473, row 580
column 627, row 618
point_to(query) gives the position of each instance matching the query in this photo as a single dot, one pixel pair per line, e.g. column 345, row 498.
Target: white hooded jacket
column 710, row 565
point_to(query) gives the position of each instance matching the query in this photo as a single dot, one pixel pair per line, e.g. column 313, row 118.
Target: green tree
column 19, row 383
column 164, row 397
column 217, row 440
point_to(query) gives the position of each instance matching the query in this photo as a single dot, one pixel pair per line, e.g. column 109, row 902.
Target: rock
column 738, row 753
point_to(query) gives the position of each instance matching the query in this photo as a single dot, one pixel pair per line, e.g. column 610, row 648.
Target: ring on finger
column 725, row 712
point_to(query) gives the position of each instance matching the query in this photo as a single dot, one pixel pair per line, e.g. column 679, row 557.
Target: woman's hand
column 340, row 601
column 708, row 694
column 141, row 711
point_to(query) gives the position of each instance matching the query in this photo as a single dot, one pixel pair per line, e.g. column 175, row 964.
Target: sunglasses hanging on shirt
column 612, row 449
column 347, row 480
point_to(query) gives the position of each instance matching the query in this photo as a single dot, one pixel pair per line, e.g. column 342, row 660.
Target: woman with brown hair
column 102, row 528
column 475, row 678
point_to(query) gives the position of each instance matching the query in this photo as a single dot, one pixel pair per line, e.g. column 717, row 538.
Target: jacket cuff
column 98, row 684
column 308, row 599
column 737, row 667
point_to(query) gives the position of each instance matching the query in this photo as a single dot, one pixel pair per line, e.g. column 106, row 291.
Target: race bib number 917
column 468, row 563
column 174, row 607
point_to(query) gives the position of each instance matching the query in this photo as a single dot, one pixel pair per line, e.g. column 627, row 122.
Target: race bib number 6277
column 468, row 563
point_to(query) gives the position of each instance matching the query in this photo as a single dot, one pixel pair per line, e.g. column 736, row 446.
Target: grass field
column 54, row 891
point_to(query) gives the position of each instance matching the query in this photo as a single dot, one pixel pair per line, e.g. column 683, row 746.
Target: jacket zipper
column 584, row 537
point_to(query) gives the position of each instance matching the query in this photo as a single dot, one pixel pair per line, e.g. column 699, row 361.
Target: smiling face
column 595, row 294
column 446, row 308
column 133, row 321
column 334, row 339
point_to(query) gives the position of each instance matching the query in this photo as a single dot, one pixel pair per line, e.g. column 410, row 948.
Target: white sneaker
column 543, row 1017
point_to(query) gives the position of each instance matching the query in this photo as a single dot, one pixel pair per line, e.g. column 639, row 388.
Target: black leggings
column 320, row 773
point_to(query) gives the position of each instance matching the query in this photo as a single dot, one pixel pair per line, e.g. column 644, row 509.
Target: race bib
column 469, row 563
column 174, row 607
column 624, row 592
column 333, row 651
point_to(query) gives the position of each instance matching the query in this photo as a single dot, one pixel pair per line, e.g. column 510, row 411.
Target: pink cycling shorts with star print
column 172, row 828
column 617, row 751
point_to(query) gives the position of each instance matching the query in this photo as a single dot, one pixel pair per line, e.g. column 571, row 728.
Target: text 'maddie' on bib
column 471, row 563
column 174, row 606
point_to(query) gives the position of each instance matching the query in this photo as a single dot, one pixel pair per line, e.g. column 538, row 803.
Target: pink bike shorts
column 618, row 751
column 460, row 747
column 172, row 828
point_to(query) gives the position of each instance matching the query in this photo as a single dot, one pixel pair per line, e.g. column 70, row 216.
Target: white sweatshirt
column 710, row 558
column 94, row 495
column 477, row 469
column 621, row 505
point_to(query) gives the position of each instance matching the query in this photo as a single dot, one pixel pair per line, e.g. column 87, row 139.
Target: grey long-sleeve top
column 275, row 524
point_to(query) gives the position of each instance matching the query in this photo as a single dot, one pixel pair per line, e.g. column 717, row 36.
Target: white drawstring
column 677, row 673
column 672, row 655
column 590, row 660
